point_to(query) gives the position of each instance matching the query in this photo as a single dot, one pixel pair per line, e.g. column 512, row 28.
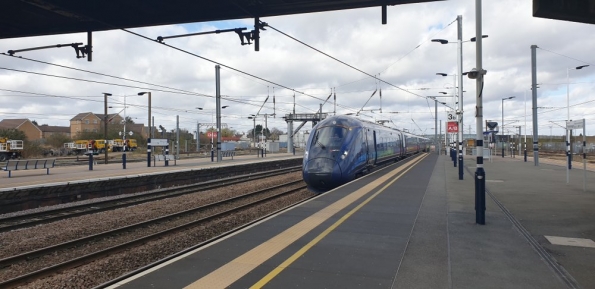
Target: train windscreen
column 329, row 137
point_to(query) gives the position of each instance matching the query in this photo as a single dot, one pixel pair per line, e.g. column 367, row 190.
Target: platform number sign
column 452, row 126
column 451, row 115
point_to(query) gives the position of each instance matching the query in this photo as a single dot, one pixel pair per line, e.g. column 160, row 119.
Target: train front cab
column 334, row 155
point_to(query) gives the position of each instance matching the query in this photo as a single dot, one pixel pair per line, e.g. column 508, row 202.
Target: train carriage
column 341, row 148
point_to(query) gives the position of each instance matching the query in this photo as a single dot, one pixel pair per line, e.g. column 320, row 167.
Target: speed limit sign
column 451, row 115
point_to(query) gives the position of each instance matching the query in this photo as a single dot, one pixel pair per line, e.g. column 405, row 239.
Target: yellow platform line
column 242, row 265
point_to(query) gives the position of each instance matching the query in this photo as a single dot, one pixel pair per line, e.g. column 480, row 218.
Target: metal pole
column 584, row 156
column 105, row 95
column 525, row 147
column 436, row 125
column 480, row 202
column 198, row 137
column 218, row 103
column 568, row 156
column 502, row 139
column 124, row 135
column 177, row 137
column 460, row 74
column 439, row 141
column 534, row 105
column 150, row 133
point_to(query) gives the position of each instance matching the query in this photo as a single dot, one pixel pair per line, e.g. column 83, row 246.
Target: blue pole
column 166, row 154
column 149, row 152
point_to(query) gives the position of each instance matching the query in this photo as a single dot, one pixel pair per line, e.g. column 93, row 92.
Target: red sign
column 211, row 134
column 453, row 126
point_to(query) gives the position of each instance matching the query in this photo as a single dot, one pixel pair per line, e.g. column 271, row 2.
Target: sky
column 400, row 53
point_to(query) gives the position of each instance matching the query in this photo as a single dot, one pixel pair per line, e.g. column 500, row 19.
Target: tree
column 13, row 134
column 35, row 123
column 275, row 133
column 57, row 140
column 258, row 131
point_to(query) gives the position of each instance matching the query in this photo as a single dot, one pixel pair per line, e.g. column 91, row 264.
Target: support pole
column 198, row 138
column 177, row 136
column 148, row 152
column 534, row 105
column 480, row 201
column 89, row 46
column 436, row 126
column 584, row 155
column 218, row 103
column 105, row 95
column 460, row 75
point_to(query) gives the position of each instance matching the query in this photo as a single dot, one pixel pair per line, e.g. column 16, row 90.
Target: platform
column 410, row 228
column 72, row 173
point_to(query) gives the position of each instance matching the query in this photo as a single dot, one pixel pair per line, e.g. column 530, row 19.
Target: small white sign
column 575, row 124
column 159, row 142
column 451, row 115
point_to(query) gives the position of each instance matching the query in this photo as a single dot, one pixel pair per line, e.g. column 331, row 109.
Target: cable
column 100, row 82
column 564, row 55
column 98, row 73
column 342, row 62
column 220, row 64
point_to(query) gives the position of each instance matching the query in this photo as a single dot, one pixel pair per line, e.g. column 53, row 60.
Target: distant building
column 49, row 130
column 26, row 126
column 90, row 122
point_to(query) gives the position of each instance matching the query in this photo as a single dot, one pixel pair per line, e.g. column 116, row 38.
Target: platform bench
column 161, row 158
column 228, row 154
column 16, row 165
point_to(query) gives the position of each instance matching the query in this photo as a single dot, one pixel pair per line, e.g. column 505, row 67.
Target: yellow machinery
column 10, row 149
column 101, row 145
column 131, row 144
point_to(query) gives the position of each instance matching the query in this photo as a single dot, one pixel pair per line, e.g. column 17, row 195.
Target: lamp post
column 218, row 130
column 568, row 154
column 150, row 130
column 511, row 97
column 436, row 120
column 459, row 112
column 253, row 118
column 105, row 95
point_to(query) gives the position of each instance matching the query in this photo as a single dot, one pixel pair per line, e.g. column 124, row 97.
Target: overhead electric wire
column 342, row 62
column 564, row 55
column 102, row 74
column 407, row 54
column 99, row 82
column 221, row 64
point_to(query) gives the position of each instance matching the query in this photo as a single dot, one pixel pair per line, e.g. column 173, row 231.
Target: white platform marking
column 576, row 242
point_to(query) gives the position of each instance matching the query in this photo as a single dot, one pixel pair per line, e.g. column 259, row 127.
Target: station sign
column 575, row 124
column 159, row 142
column 451, row 115
column 452, row 126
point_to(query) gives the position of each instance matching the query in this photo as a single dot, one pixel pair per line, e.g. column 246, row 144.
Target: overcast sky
column 400, row 52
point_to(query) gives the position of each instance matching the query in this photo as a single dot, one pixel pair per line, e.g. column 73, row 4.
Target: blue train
column 342, row 148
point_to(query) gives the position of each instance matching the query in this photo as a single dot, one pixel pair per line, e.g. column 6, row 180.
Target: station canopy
column 25, row 18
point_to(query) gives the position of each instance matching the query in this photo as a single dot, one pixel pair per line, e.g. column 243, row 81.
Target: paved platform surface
column 411, row 228
column 60, row 174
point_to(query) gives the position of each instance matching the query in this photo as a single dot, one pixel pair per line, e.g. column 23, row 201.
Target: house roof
column 12, row 123
column 100, row 116
column 51, row 128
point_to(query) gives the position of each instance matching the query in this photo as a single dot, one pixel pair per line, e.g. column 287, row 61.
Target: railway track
column 155, row 229
column 33, row 219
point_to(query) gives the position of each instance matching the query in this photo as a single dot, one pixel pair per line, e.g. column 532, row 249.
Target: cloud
column 400, row 52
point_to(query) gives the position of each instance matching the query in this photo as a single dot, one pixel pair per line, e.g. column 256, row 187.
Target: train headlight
column 344, row 155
